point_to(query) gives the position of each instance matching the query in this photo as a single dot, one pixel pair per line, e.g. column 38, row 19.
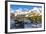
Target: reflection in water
column 14, row 24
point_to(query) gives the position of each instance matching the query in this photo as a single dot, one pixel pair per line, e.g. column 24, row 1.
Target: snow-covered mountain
column 35, row 9
column 20, row 11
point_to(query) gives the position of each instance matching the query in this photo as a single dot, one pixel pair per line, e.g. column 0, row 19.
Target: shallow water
column 27, row 25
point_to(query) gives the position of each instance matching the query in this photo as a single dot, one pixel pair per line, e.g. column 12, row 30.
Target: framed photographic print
column 23, row 16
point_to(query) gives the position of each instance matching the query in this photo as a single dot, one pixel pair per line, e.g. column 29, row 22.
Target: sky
column 22, row 7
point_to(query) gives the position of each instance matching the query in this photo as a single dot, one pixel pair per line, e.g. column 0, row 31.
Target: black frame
column 22, row 2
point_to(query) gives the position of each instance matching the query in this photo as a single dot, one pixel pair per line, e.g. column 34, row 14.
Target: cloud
column 18, row 10
column 36, row 9
column 25, row 9
column 12, row 11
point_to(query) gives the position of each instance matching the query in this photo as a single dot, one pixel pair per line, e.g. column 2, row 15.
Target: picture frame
column 26, row 6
